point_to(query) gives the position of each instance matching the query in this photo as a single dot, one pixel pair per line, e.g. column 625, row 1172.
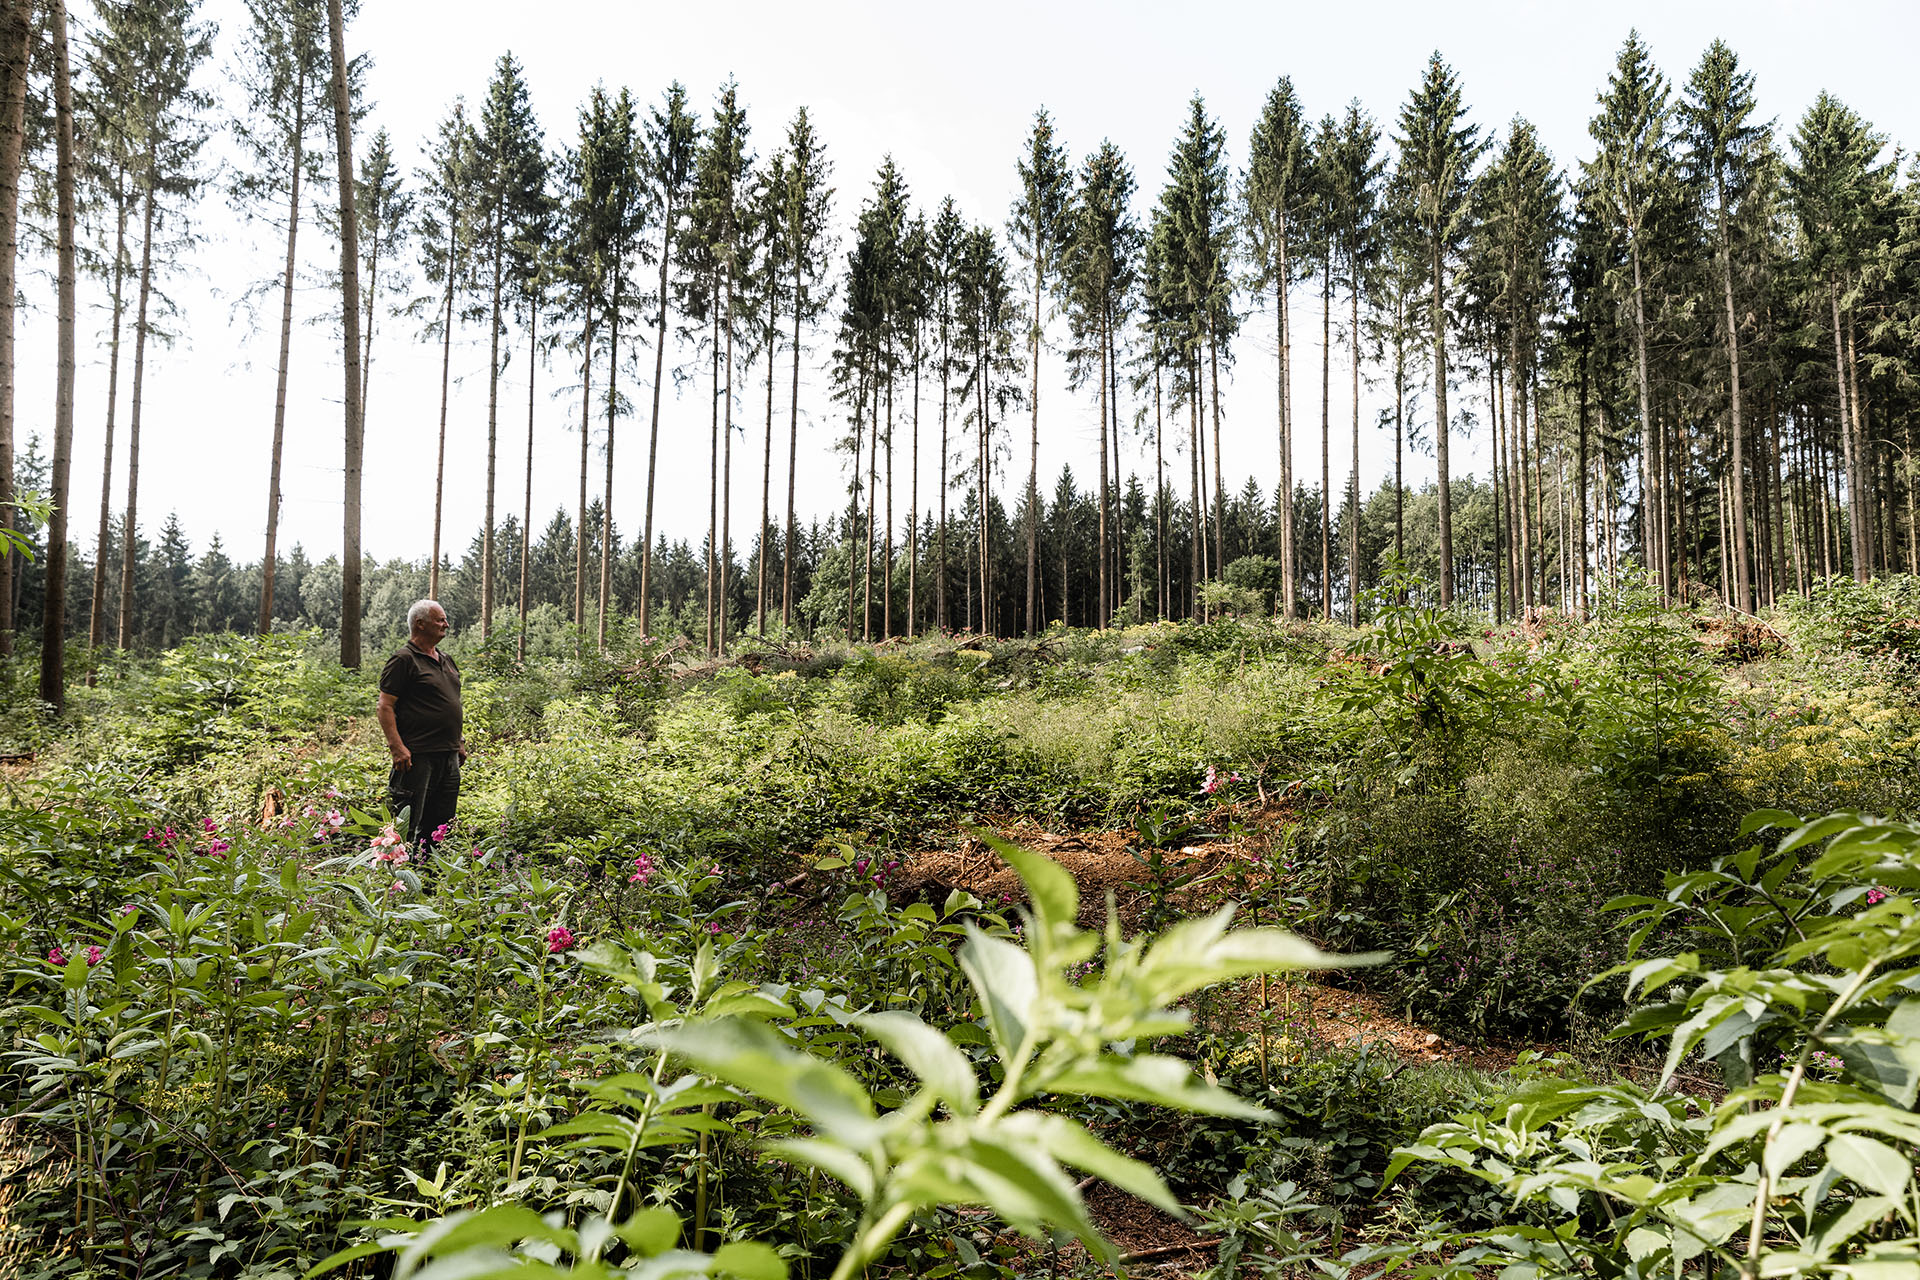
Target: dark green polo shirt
column 426, row 698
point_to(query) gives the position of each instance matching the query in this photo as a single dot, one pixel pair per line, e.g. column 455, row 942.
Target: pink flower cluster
column 440, row 832
column 1877, row 895
column 1214, row 781
column 58, row 958
column 879, row 872
column 388, row 847
column 642, row 870
column 559, row 938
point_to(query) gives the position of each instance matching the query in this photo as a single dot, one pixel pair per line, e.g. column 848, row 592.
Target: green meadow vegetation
column 678, row 997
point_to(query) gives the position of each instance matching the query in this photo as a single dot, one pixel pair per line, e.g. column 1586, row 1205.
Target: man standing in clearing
column 420, row 714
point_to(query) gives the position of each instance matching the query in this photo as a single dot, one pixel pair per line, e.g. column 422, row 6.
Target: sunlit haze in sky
column 949, row 91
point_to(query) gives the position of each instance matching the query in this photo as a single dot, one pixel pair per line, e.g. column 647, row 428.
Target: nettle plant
column 1803, row 986
column 1057, row 1030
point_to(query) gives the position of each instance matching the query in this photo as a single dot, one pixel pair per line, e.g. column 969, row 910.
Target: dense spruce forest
column 1692, row 351
column 1496, row 861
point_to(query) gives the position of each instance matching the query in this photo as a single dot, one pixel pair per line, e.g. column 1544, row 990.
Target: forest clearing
column 893, row 953
column 793, row 838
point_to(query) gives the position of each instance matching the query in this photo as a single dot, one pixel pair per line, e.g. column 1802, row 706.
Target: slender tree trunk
column 653, row 427
column 1742, row 586
column 96, row 618
column 1438, row 315
column 1580, row 590
column 350, row 345
column 853, row 499
column 873, row 500
column 1353, row 534
column 1033, row 467
column 1857, row 518
column 766, row 484
column 526, row 512
column 606, row 502
column 16, row 46
column 1113, row 414
column 1532, row 532
column 1502, row 500
column 913, row 501
column 886, row 544
column 493, row 419
column 726, row 482
column 986, row 489
column 53, row 625
column 268, row 561
column 1099, row 615
column 586, row 442
column 1164, row 588
column 793, row 452
column 1860, row 495
column 940, row 535
column 1326, row 442
column 129, row 533
column 446, row 375
column 1219, row 492
column 1289, row 582
column 1399, row 428
column 1651, row 431
column 1196, row 531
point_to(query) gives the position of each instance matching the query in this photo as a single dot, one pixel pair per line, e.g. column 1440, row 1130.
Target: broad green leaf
column 828, row 1156
column 930, row 1055
column 749, row 1260
column 753, row 1057
column 1023, row 1185
column 1761, row 819
column 1067, row 1141
column 1004, row 979
column 1792, row 1142
column 1155, row 1078
column 1871, row 1163
column 650, row 1231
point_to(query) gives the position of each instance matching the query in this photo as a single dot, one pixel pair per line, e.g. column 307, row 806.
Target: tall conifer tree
column 1272, row 192
column 1438, row 149
column 509, row 178
column 1037, row 231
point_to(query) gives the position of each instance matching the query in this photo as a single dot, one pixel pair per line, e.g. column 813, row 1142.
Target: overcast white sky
column 949, row 91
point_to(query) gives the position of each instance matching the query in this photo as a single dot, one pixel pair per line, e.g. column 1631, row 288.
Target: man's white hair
column 418, row 613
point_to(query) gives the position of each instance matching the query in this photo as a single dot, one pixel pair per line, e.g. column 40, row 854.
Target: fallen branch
column 1166, row 1250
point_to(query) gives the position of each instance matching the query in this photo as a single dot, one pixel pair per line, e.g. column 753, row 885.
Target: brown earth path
column 1300, row 1010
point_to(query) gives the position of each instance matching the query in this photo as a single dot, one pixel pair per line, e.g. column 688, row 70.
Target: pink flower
column 1212, row 784
column 309, row 812
column 56, row 956
column 1877, row 895
column 398, row 886
column 642, row 870
column 94, row 956
column 210, row 824
column 559, row 938
column 335, row 819
column 128, row 909
column 713, row 926
column 218, row 847
column 440, row 832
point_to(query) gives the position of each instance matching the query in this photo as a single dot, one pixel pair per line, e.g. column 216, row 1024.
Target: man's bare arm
column 391, row 727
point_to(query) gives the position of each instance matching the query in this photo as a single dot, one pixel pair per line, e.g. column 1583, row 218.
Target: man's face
column 434, row 626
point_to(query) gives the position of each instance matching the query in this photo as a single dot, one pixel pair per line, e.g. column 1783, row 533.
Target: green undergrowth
column 237, row 1025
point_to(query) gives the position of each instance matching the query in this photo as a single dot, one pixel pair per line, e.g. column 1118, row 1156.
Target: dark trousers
column 431, row 789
